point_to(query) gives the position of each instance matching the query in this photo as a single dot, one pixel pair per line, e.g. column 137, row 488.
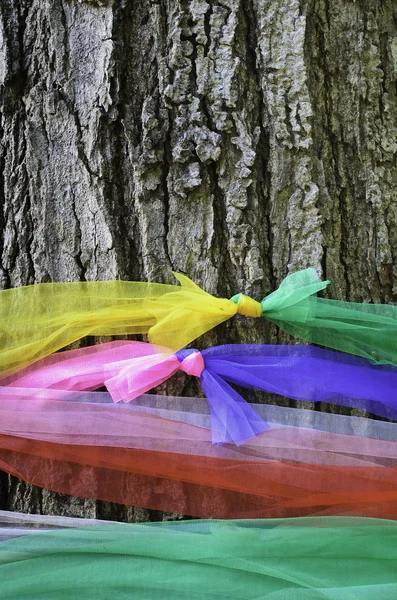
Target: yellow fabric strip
column 38, row 320
column 248, row 307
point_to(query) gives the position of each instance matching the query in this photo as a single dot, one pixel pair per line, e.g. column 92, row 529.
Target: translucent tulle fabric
column 88, row 446
column 367, row 330
column 297, row 559
column 38, row 320
column 14, row 524
column 306, row 373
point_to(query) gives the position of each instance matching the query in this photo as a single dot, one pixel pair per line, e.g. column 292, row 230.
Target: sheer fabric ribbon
column 158, row 454
column 299, row 559
column 37, row 320
column 129, row 369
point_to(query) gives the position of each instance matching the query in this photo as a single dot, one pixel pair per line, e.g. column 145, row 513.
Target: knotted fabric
column 129, row 369
column 247, row 306
column 37, row 320
column 232, row 419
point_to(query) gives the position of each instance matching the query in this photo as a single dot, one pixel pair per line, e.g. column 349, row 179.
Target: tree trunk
column 232, row 140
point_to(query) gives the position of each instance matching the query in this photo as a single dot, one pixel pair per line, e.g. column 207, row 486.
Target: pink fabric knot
column 193, row 364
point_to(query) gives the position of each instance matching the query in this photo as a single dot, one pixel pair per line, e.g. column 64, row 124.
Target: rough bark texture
column 233, row 140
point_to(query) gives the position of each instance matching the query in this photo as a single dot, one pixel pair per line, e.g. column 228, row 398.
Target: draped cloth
column 158, row 454
column 330, row 558
column 37, row 320
column 304, row 373
column 361, row 329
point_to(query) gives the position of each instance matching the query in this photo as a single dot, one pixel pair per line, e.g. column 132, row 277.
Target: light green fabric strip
column 367, row 330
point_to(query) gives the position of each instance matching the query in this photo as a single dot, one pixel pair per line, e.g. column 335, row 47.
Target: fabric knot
column 192, row 362
column 247, row 306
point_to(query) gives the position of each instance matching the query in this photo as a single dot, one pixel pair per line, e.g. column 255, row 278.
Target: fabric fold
column 37, row 320
column 301, row 373
column 158, row 454
column 298, row 559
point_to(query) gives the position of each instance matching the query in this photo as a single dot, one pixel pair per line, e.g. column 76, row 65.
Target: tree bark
column 232, row 140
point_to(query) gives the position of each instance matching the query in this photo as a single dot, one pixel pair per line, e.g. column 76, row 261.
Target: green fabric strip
column 333, row 558
column 367, row 330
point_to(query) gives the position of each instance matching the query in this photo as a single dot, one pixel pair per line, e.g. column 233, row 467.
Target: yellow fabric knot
column 247, row 306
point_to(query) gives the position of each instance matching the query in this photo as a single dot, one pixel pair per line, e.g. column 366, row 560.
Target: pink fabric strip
column 127, row 369
column 81, row 369
column 86, row 423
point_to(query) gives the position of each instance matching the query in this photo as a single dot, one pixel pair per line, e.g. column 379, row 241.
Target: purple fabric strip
column 303, row 373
